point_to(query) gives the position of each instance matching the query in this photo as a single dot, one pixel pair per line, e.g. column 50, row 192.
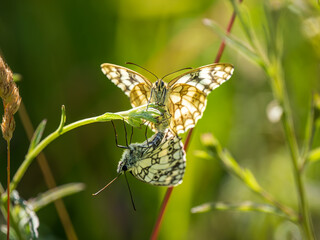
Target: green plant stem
column 244, row 207
column 280, row 93
column 244, row 175
column 134, row 116
column 34, row 152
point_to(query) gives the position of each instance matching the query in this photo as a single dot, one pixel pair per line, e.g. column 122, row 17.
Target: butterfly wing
column 188, row 92
column 164, row 165
column 139, row 95
column 205, row 78
column 186, row 104
column 130, row 82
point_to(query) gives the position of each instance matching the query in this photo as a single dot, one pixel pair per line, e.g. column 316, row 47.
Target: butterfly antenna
column 116, row 137
column 134, row 207
column 95, row 194
column 176, row 72
column 142, row 68
column 125, row 133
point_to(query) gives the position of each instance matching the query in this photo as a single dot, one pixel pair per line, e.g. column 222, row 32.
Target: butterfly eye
column 124, row 168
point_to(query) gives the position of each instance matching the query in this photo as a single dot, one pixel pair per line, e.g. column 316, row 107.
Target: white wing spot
column 204, row 74
column 188, row 122
column 112, row 75
column 200, row 86
column 205, row 81
column 124, row 74
column 127, row 83
column 184, row 111
column 177, row 114
column 219, row 74
column 175, row 98
column 184, row 78
column 122, row 86
column 213, row 85
column 176, row 155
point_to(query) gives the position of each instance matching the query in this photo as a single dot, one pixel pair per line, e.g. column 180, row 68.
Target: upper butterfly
column 184, row 97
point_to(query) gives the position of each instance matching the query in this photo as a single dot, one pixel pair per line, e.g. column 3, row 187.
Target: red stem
column 164, row 204
column 8, row 189
column 156, row 229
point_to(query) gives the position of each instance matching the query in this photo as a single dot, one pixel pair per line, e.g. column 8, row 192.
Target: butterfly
column 184, row 98
column 160, row 160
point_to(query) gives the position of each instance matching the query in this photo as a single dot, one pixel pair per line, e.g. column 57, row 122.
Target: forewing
column 163, row 166
column 186, row 105
column 124, row 78
column 205, row 78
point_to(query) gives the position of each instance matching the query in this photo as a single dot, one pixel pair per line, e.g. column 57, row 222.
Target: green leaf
column 37, row 135
column 316, row 101
column 25, row 217
column 136, row 116
column 229, row 162
column 243, row 207
column 202, row 154
column 243, row 16
column 251, row 181
column 314, row 155
column 56, row 193
column 235, row 43
column 63, row 118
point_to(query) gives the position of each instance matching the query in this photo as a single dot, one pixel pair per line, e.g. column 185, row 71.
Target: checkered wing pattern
column 163, row 165
column 139, row 95
column 186, row 105
column 188, row 92
column 128, row 81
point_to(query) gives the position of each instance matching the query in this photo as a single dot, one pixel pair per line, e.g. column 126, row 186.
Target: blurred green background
column 58, row 46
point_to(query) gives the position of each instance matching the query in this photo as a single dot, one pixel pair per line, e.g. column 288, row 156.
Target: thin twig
column 155, row 232
column 294, row 151
column 8, row 189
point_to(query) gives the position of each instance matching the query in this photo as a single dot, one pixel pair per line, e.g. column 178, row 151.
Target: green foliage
column 214, row 149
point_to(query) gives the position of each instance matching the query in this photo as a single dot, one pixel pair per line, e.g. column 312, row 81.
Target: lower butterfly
column 160, row 160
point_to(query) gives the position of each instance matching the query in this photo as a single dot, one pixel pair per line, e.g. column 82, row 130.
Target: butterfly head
column 159, row 94
column 129, row 158
column 124, row 162
column 122, row 167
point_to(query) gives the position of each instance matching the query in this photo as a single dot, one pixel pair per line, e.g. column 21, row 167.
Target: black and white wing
column 188, row 93
column 163, row 165
column 133, row 84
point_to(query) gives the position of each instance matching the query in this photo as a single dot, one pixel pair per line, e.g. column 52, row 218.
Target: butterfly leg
column 125, row 132
column 146, row 134
column 116, row 137
column 131, row 135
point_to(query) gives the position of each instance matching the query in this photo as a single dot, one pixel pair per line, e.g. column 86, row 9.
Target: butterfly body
column 162, row 163
column 184, row 98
